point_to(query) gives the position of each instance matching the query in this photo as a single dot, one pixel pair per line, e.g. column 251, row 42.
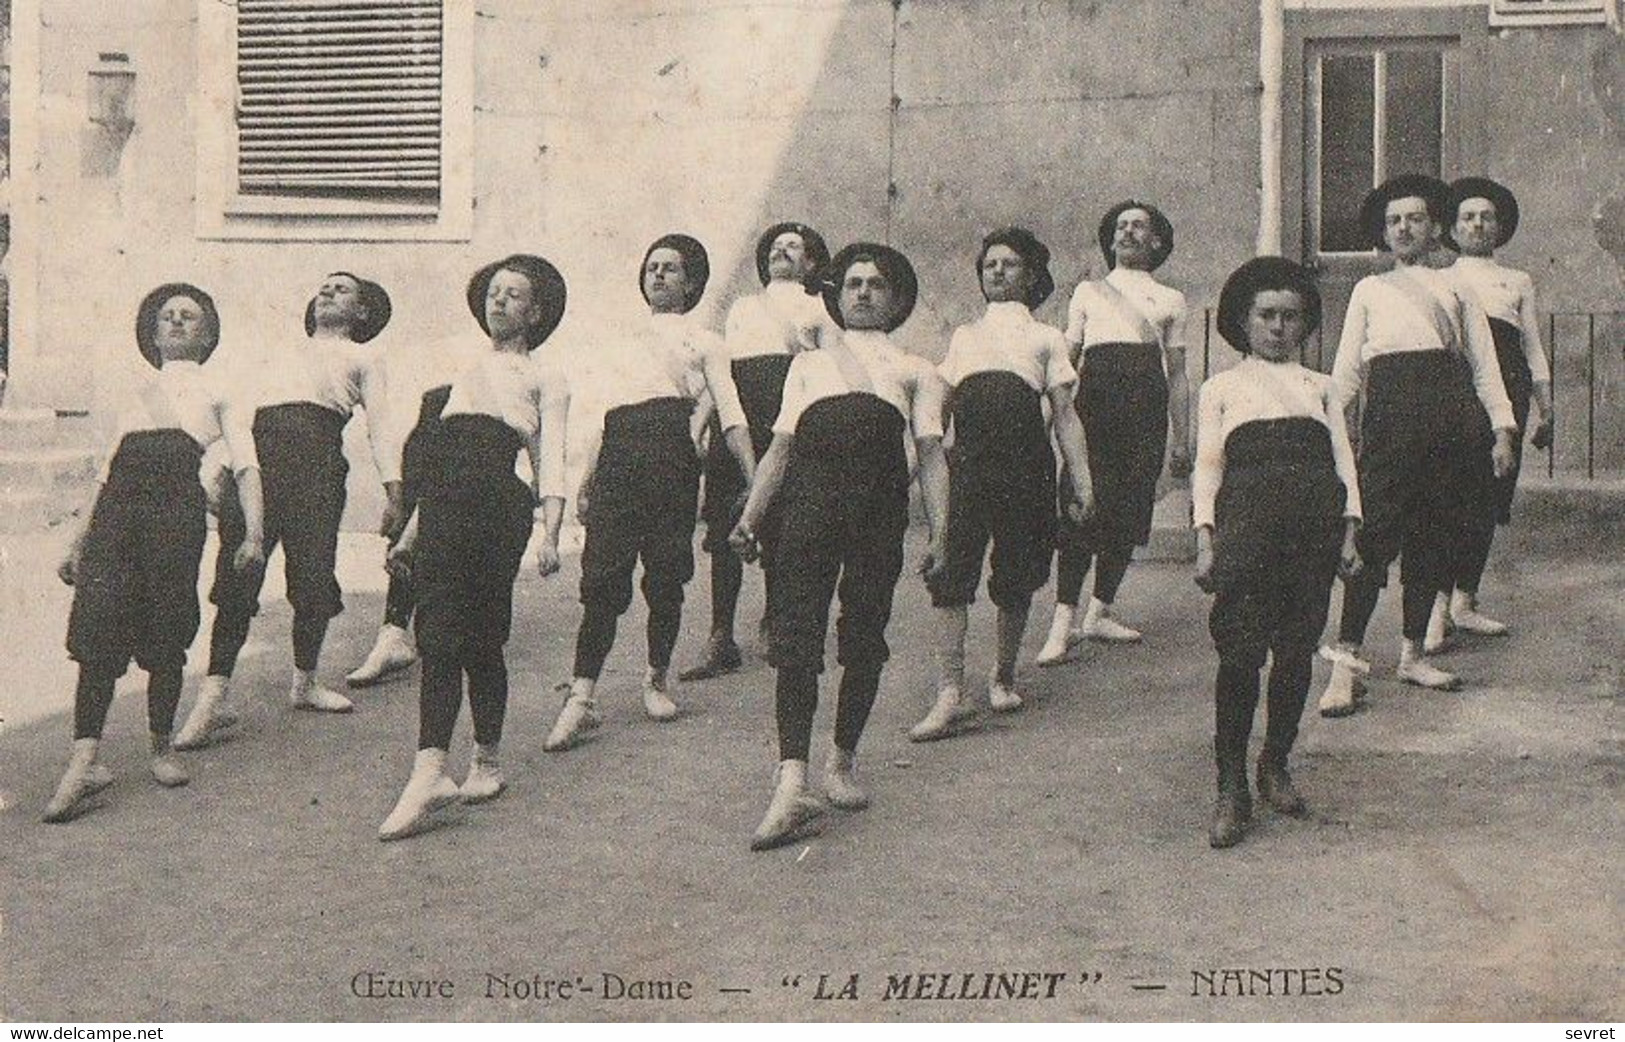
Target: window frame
column 224, row 213
column 1379, row 48
column 1305, row 28
column 1504, row 14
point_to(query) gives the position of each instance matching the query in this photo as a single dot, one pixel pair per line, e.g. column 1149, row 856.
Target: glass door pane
column 1347, row 147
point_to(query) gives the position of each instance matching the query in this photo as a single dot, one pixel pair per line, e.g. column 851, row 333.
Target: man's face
column 510, row 305
column 787, row 258
column 1408, row 229
column 665, row 282
column 1276, row 324
column 1478, row 227
column 338, row 304
column 1004, row 275
column 1135, row 241
column 867, row 297
column 182, row 330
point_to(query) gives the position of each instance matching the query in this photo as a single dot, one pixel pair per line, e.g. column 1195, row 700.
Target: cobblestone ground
column 1461, row 860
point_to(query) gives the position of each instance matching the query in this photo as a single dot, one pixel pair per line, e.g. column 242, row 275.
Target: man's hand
column 1348, row 561
column 1542, row 436
column 249, row 558
column 584, row 501
column 1502, row 455
column 744, row 542
column 1204, row 559
column 547, row 560
column 935, row 559
column 394, row 519
column 398, row 562
column 68, row 570
column 1081, row 506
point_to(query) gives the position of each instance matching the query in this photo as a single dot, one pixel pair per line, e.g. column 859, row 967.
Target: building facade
column 252, row 147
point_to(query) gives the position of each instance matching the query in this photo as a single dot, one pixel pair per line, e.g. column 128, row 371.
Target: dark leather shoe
column 1231, row 813
column 1275, row 786
column 720, row 660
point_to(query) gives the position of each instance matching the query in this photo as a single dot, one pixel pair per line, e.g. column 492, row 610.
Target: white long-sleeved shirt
column 1254, row 389
column 662, row 356
column 1093, row 318
column 783, row 319
column 1384, row 319
column 188, row 397
column 780, row 320
column 1008, row 339
column 907, row 382
column 411, row 370
column 334, row 374
column 531, row 397
column 1509, row 295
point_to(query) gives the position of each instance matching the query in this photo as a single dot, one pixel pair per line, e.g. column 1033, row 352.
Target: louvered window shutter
column 339, row 98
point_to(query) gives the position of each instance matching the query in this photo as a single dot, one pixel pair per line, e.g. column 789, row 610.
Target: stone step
column 49, row 469
column 22, row 429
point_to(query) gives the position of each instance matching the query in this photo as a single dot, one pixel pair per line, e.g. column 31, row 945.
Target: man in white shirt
column 134, row 563
column 763, row 332
column 1128, row 332
column 839, row 464
column 303, row 396
column 1484, row 217
column 640, row 487
column 1002, row 370
column 1405, row 335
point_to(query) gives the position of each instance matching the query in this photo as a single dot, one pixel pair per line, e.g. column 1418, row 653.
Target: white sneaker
column 1002, row 697
column 578, row 717
column 1343, row 656
column 1465, row 611
column 1339, row 698
column 392, row 652
column 167, row 769
column 83, row 779
column 793, row 813
column 1099, row 626
column 318, row 699
column 485, row 781
column 210, row 716
column 946, row 718
column 1060, row 639
column 656, row 703
column 427, row 795
column 841, row 781
column 1418, row 671
column 1437, row 638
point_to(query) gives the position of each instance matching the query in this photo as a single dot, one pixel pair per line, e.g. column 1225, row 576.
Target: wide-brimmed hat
column 1160, row 223
column 696, row 266
column 891, row 263
column 1032, row 253
column 146, row 319
column 1374, row 209
column 817, row 251
column 1260, row 275
column 1499, row 195
column 373, row 298
column 547, row 287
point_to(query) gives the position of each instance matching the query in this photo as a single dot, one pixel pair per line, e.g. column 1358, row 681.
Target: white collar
column 1122, row 276
column 788, row 288
column 180, row 369
column 1008, row 311
column 867, row 339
